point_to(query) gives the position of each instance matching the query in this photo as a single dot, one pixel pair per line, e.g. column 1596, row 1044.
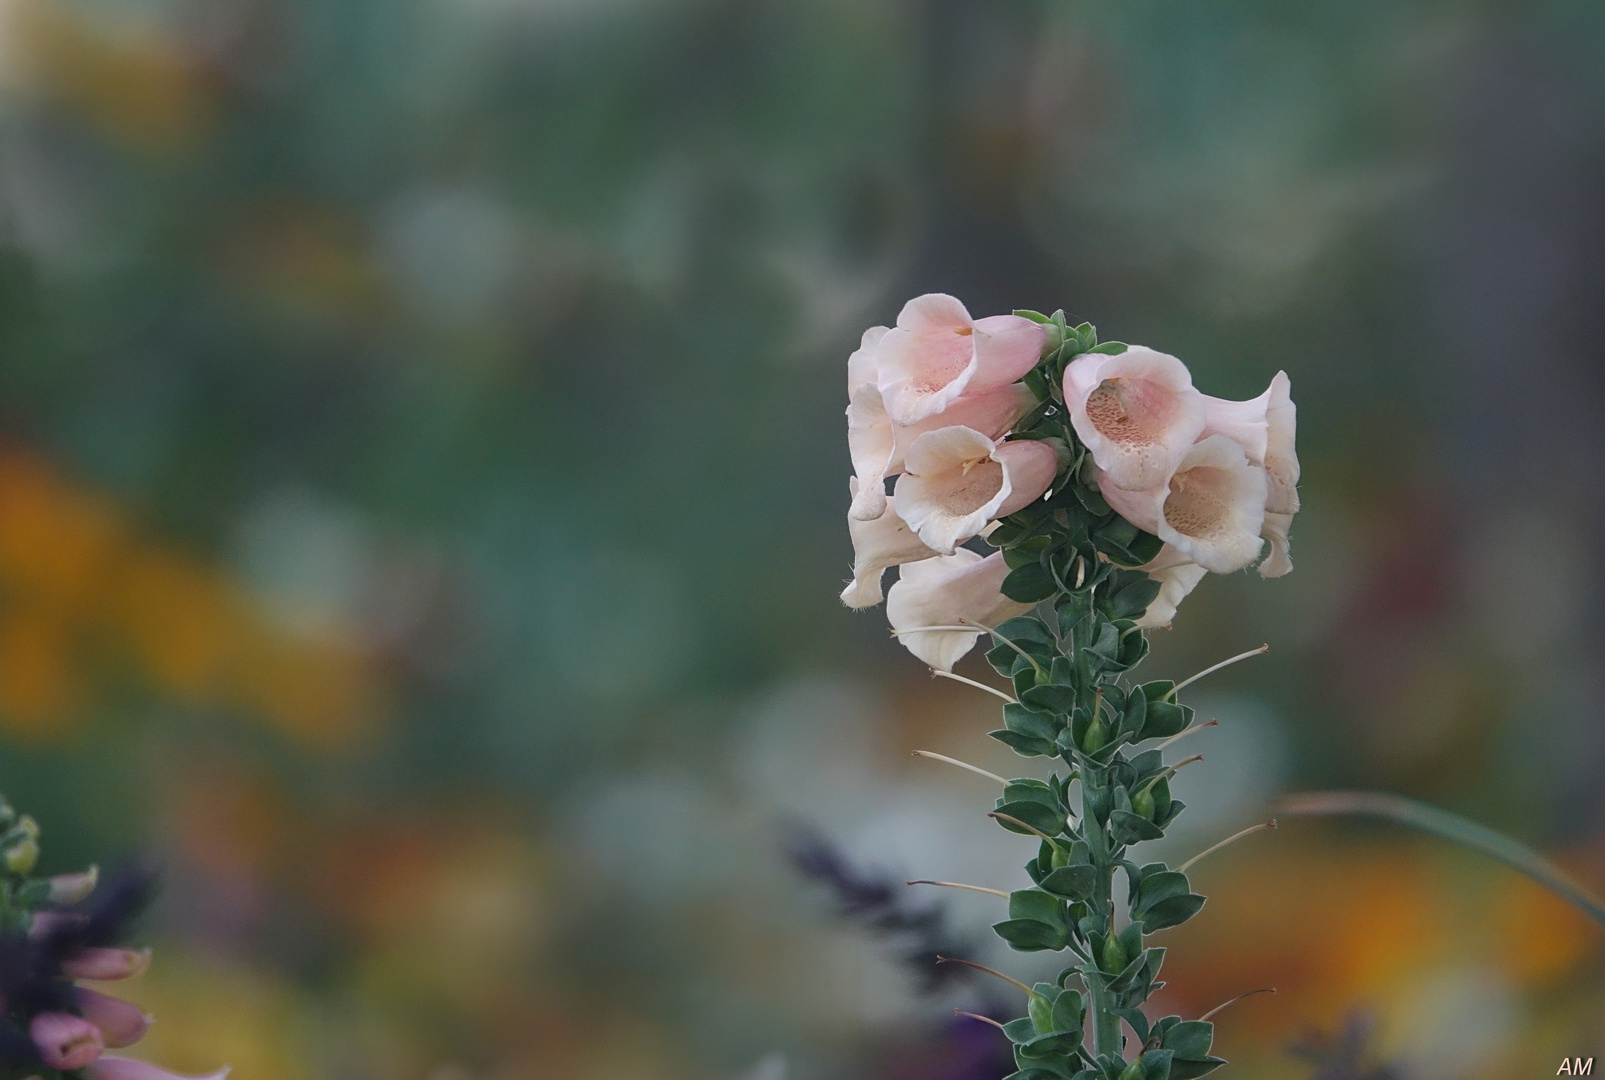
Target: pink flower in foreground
column 937, row 353
column 1137, row 412
column 65, row 1041
column 120, row 1024
column 956, row 480
column 105, row 965
column 1211, row 510
column 111, row 1067
column 949, row 590
column 884, row 542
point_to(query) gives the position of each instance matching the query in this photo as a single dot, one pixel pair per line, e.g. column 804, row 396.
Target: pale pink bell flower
column 1177, row 575
column 957, row 479
column 949, row 590
column 883, row 542
column 1137, row 412
column 112, row 1067
column 937, row 352
column 1211, row 510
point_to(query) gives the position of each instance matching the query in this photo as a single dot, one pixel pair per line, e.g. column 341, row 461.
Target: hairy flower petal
column 1137, row 412
column 957, row 479
column 947, row 591
column 884, row 542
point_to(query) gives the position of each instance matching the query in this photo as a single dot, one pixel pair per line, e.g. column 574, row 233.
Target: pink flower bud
column 65, row 1041
column 104, row 965
column 69, row 889
column 111, row 1067
column 120, row 1023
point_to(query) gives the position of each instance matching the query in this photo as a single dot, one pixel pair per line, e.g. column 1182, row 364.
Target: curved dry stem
column 978, row 1016
column 989, row 971
column 1261, row 651
column 1232, row 839
column 960, row 885
column 939, row 673
column 1180, row 735
column 1235, row 1000
column 978, row 771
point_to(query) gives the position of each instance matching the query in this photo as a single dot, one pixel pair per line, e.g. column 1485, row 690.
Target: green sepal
column 1131, row 828
column 1043, row 818
column 1069, row 1011
column 1058, row 700
column 1190, row 1039
column 1028, row 935
column 1165, row 718
column 1023, row 721
column 1024, row 745
column 1074, row 882
column 1020, row 1031
column 31, row 894
column 1110, row 348
column 1131, row 600
column 1029, row 584
column 1137, row 1020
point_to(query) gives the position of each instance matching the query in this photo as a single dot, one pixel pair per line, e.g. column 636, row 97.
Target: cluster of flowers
column 933, row 402
column 53, row 932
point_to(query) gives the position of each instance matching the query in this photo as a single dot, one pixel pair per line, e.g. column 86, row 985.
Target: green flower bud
column 1113, row 959
column 1134, row 1071
column 1142, row 803
column 21, row 856
column 1096, row 737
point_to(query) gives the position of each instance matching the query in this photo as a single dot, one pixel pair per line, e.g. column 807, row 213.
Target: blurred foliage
column 421, row 494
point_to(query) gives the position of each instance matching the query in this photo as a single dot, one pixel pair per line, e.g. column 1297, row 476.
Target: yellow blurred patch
column 133, row 85
column 73, row 577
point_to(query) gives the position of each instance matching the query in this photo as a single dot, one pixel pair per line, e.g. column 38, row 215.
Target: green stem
column 1105, row 1024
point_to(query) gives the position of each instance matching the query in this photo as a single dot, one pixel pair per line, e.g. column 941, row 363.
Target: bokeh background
column 422, row 488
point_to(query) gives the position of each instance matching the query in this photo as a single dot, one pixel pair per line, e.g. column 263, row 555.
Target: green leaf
column 1024, row 745
column 1130, row 828
column 1076, row 882
column 1450, row 827
column 1189, row 1038
column 1035, row 904
column 1058, row 700
column 1172, row 912
column 1029, row 584
column 1160, row 885
column 1133, row 600
column 1046, row 819
column 1068, row 1011
column 1191, row 1068
column 1054, row 1044
column 1021, row 1030
column 1027, row 935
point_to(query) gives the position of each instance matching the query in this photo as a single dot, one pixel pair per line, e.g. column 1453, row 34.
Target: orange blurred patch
column 136, row 87
column 73, row 573
column 1541, row 936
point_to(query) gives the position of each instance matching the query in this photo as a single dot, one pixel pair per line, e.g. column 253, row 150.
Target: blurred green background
column 422, row 489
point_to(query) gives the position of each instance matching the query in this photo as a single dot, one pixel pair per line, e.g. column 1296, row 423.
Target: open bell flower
column 880, row 543
column 1178, row 576
column 1137, row 412
column 956, row 479
column 1266, row 427
column 937, row 352
column 949, row 590
column 878, row 447
column 1211, row 510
